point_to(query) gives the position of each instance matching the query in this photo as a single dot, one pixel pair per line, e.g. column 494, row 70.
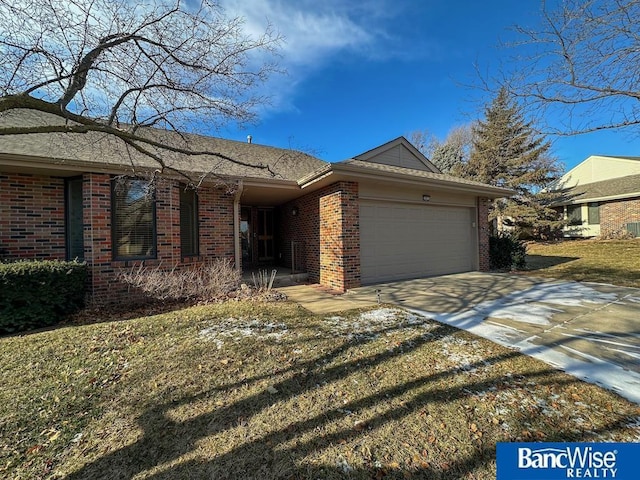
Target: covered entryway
column 257, row 236
column 401, row 241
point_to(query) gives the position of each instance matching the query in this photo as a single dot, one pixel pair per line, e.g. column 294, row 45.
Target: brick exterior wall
column 483, row 235
column 32, row 216
column 32, row 225
column 96, row 214
column 327, row 228
column 215, row 210
column 614, row 215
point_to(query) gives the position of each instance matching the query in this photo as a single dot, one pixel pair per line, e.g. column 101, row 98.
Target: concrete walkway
column 589, row 330
column 320, row 301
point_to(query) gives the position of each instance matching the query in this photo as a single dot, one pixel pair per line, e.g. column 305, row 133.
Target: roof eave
column 346, row 170
column 74, row 166
column 605, row 198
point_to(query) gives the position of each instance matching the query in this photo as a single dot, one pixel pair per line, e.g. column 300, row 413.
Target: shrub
column 209, row 281
column 506, row 252
column 39, row 293
column 621, row 234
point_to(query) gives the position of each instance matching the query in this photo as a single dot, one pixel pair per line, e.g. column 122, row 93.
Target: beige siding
column 399, row 156
column 410, row 194
column 400, row 240
column 596, row 168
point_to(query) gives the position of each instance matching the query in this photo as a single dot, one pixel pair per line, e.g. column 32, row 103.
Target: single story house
column 383, row 215
column 601, row 196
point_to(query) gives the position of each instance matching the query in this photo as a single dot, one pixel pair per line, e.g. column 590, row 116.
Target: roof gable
column 597, row 168
column 398, row 153
column 613, row 188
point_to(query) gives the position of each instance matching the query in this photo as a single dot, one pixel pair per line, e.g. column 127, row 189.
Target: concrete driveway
column 591, row 331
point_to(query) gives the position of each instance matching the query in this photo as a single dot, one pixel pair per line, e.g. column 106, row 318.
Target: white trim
column 621, row 196
column 407, row 201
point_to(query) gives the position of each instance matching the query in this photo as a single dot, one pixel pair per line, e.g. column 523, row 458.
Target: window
column 133, row 215
column 188, row 221
column 594, row 213
column 74, row 228
column 574, row 214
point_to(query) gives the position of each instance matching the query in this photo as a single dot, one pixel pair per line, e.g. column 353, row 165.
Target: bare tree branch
column 579, row 71
column 101, row 64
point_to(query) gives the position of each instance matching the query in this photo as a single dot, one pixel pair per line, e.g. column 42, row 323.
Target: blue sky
column 361, row 73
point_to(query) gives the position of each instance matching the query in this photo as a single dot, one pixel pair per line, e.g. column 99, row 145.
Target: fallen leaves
column 386, row 404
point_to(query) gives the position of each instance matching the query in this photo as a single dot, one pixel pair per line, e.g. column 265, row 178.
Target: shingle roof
column 106, row 150
column 413, row 172
column 621, row 187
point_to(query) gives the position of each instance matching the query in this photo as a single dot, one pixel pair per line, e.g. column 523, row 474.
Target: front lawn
column 249, row 390
column 609, row 261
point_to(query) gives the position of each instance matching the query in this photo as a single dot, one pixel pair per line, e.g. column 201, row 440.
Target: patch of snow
column 585, row 367
column 238, row 328
column 626, row 352
column 569, row 294
column 505, row 335
column 527, row 313
column 343, row 465
column 593, row 338
column 375, row 322
column 460, row 352
column 380, row 315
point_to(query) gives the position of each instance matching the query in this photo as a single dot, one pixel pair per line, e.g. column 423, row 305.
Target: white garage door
column 399, row 241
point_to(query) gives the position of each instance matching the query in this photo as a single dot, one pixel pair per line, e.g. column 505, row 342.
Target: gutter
column 315, row 176
column 341, row 169
column 236, row 225
column 620, row 196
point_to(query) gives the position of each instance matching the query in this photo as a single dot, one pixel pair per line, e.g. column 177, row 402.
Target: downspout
column 236, row 224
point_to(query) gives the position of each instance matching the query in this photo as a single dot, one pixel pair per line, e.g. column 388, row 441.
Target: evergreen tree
column 507, row 152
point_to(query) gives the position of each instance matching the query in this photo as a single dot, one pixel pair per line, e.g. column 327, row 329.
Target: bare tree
column 117, row 66
column 581, row 66
column 425, row 141
column 448, row 155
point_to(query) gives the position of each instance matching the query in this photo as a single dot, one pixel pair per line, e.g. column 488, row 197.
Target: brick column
column 215, row 207
column 168, row 222
column 483, row 234
column 340, row 237
column 96, row 206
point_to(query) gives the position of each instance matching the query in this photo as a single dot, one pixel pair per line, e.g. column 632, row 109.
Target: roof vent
column 249, row 137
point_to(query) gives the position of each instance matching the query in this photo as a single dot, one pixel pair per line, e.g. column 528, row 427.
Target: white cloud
column 315, row 33
column 312, row 30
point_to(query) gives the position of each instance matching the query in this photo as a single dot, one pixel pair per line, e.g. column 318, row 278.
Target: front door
column 265, row 235
column 256, row 235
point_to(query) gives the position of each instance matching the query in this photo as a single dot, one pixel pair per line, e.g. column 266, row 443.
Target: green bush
column 35, row 294
column 506, row 251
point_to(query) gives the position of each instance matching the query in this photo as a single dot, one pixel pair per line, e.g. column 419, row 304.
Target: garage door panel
column 407, row 241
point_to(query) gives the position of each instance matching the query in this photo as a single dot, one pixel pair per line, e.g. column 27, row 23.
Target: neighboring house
column 387, row 214
column 601, row 196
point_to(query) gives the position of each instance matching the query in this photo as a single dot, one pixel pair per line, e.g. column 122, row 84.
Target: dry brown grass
column 605, row 261
column 265, row 391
